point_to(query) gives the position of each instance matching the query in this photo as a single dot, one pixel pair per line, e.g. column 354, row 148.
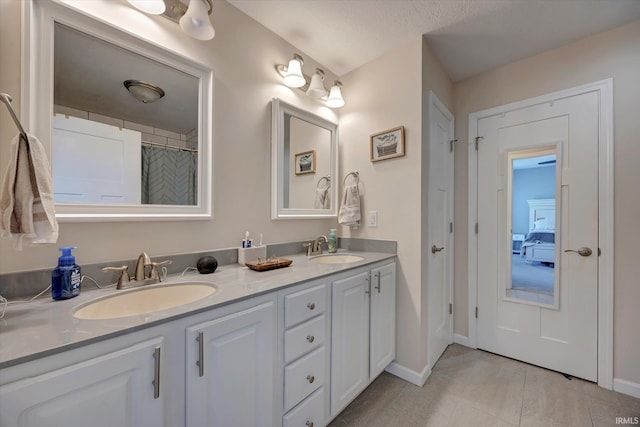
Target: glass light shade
column 196, row 22
column 335, row 97
column 316, row 87
column 294, row 77
column 154, row 7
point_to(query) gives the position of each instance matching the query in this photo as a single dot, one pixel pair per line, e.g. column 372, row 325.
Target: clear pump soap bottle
column 65, row 278
column 332, row 244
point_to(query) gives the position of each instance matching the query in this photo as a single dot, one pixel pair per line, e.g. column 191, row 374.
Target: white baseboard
column 417, row 378
column 462, row 340
column 626, row 387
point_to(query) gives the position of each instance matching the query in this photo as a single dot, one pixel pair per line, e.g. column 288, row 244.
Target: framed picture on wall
column 387, row 144
column 306, row 162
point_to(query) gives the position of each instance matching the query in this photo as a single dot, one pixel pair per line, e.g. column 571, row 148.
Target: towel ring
column 324, row 178
column 355, row 174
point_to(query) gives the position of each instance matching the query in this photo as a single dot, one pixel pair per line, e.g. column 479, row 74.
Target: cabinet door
column 230, row 370
column 118, row 389
column 349, row 339
column 383, row 319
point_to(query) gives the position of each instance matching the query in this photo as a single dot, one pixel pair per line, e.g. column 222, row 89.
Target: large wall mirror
column 117, row 152
column 304, row 164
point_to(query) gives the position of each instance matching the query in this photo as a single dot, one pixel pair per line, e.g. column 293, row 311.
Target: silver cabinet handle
column 311, row 306
column 311, row 379
column 310, row 338
column 368, row 289
column 583, row 251
column 378, row 274
column 156, row 374
column 200, row 361
column 435, row 249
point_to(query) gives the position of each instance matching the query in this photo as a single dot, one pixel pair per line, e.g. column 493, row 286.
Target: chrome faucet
column 315, row 247
column 141, row 277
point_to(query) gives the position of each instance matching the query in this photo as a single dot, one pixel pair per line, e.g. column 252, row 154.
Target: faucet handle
column 124, row 275
column 309, row 247
column 154, row 274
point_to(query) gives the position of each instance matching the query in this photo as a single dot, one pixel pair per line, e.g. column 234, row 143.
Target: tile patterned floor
column 474, row 388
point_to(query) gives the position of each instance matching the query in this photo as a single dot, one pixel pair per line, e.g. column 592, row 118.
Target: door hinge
column 476, row 312
column 478, row 138
column 450, row 308
column 477, row 227
column 451, row 144
column 450, row 227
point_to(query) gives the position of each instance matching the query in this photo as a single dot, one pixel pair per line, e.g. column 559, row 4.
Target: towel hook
column 6, row 98
column 355, row 174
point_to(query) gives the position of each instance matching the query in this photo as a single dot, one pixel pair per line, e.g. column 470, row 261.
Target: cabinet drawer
column 303, row 377
column 303, row 338
column 309, row 413
column 304, row 305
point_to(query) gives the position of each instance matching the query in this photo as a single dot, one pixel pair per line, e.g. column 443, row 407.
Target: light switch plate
column 372, row 219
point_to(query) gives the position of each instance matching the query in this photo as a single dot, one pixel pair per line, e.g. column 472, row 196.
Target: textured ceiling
column 468, row 36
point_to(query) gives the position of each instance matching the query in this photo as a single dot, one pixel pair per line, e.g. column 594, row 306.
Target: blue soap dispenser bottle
column 66, row 277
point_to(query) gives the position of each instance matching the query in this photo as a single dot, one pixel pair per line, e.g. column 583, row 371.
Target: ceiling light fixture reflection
column 143, row 91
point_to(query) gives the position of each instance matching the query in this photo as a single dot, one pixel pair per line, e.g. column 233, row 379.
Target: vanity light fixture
column 313, row 86
column 143, row 91
column 196, row 22
column 153, row 7
column 316, row 87
column 292, row 74
column 191, row 15
column 335, row 99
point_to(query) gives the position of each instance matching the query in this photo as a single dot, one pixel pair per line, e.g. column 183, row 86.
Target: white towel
column 350, row 210
column 323, row 199
column 26, row 199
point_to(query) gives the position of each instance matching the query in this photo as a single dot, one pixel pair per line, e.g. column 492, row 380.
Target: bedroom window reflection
column 532, row 187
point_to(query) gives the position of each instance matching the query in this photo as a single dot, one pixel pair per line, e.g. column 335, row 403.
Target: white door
column 382, row 319
column 117, row 389
column 95, row 162
column 553, row 325
column 440, row 229
column 230, row 370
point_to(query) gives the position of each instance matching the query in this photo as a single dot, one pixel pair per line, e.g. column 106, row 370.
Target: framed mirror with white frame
column 304, row 164
column 107, row 146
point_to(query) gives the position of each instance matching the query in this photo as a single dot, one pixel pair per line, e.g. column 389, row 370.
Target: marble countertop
column 43, row 327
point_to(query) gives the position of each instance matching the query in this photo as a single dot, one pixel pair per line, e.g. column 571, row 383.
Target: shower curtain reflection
column 169, row 176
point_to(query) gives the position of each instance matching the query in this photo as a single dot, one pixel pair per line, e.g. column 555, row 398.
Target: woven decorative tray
column 269, row 264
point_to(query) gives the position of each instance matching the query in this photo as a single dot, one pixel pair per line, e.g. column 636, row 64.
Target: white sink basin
column 144, row 300
column 336, row 259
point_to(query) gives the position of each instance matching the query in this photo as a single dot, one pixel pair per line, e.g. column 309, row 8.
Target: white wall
column 614, row 54
column 387, row 92
column 242, row 54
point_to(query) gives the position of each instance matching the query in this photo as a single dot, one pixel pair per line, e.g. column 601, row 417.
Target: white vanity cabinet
column 230, row 369
column 362, row 331
column 120, row 388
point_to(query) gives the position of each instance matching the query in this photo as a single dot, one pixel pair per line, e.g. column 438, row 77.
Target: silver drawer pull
column 200, row 362
column 310, row 338
column 311, row 379
column 311, row 306
column 309, row 423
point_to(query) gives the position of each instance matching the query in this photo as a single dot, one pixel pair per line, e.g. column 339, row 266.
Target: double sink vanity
column 287, row 347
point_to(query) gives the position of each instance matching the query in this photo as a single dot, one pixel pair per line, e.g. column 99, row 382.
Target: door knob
column 435, row 249
column 583, row 251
